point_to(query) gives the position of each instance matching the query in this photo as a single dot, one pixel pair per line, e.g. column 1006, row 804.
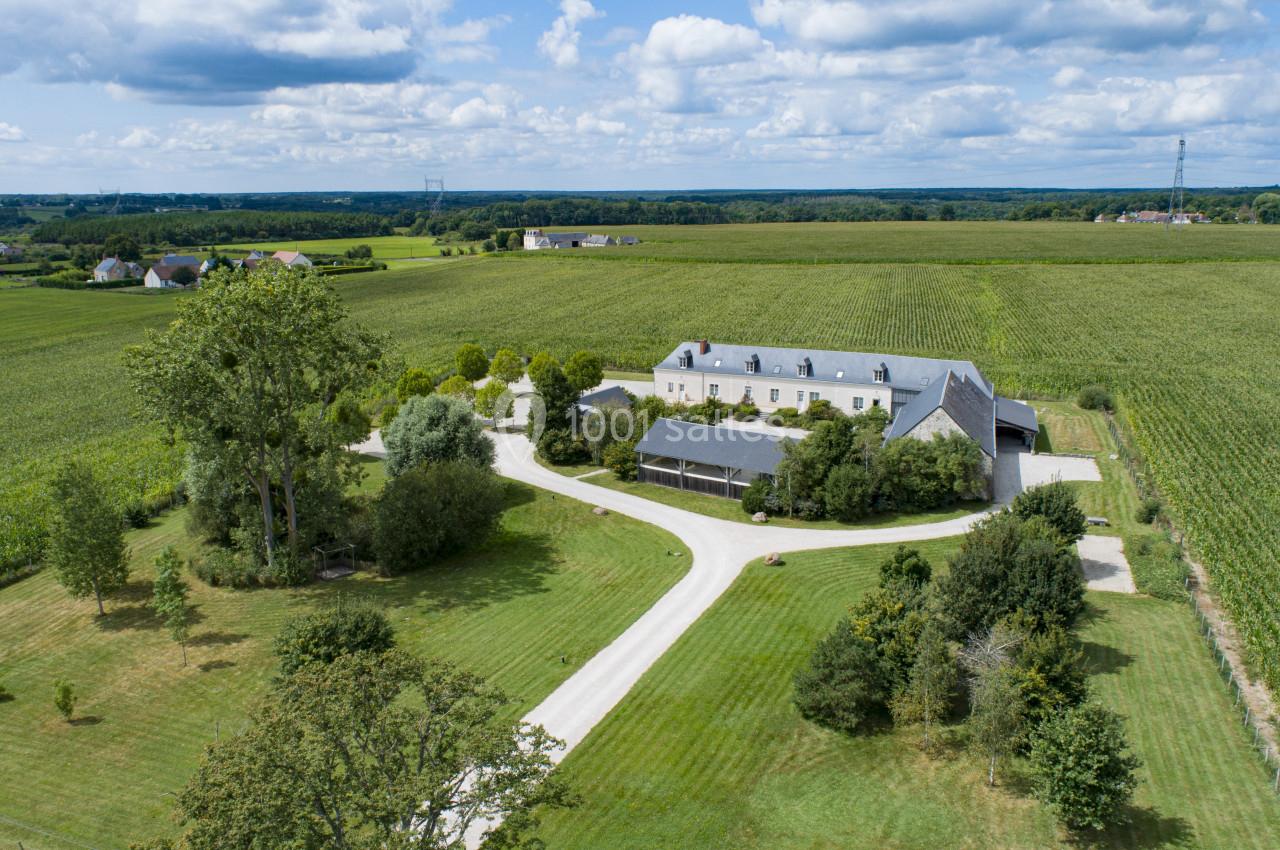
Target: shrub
column 583, row 371
column 745, row 409
column 786, row 416
column 1150, row 510
column 458, row 387
column 1007, row 564
column 136, row 513
column 848, row 491
column 412, row 382
column 844, row 683
column 432, row 511
column 620, row 458
column 290, row 568
column 471, row 362
column 64, row 699
column 346, row 626
column 1095, row 397
column 1056, row 502
column 821, row 410
column 226, row 568
column 1081, row 766
column 906, row 565
column 434, row 429
column 755, row 497
column 1050, row 668
column 560, row 447
column 1159, row 569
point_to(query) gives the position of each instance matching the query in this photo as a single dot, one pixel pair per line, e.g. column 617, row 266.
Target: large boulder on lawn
column 599, row 511
column 773, row 559
column 759, row 516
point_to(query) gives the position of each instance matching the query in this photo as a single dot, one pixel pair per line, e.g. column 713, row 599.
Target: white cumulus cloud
column 11, row 133
column 560, row 43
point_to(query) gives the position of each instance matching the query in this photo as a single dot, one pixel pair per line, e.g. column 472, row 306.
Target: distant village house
column 535, row 240
column 113, row 268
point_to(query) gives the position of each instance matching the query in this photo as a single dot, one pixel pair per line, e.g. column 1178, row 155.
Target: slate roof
column 179, row 260
column 968, row 405
column 597, row 239
column 714, row 446
column 1016, row 414
column 107, row 264
column 905, row 373
column 609, row 395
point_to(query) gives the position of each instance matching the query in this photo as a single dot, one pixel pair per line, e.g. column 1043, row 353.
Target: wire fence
column 1259, row 727
column 1261, row 742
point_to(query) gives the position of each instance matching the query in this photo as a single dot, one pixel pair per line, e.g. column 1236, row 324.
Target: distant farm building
column 536, row 239
column 113, row 268
column 10, row 250
column 292, row 259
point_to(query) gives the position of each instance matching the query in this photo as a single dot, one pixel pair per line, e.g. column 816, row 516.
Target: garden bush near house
column 227, row 568
column 429, row 512
column 787, row 417
column 560, row 447
column 1056, row 502
column 745, row 409
column 620, row 459
column 1095, row 397
column 435, row 429
column 755, row 496
column 346, row 626
column 847, row 492
column 1158, row 566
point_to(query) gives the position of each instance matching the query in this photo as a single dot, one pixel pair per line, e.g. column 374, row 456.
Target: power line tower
column 1176, row 216
column 435, row 194
column 115, row 209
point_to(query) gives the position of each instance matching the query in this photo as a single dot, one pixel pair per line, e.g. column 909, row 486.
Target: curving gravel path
column 720, row 550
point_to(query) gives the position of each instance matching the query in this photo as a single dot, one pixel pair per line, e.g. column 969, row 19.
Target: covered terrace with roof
column 707, row 459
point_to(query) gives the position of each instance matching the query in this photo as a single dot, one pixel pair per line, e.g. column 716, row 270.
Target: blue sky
column 268, row 95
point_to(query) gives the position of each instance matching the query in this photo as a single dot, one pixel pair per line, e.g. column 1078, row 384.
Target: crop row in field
column 384, row 247
column 980, row 242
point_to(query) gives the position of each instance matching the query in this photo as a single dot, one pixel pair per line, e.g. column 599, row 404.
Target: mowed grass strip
column 707, row 751
column 384, row 247
column 555, row 581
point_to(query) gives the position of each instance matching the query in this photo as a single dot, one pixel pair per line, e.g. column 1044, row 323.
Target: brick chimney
column 703, row 346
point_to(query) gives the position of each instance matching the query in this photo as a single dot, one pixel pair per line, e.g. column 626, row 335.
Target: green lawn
column 707, row 750
column 731, row 509
column 384, row 247
column 555, row 581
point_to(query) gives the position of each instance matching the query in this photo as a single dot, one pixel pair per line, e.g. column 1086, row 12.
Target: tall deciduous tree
column 931, row 683
column 434, row 429
column 169, row 598
column 86, row 538
column 256, row 364
column 1082, row 766
column 506, row 366
column 995, row 698
column 471, row 362
column 373, row 750
column 583, row 370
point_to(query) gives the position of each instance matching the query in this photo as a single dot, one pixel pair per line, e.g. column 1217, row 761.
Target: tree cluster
column 360, row 745
column 209, row 228
column 261, row 374
column 997, row 629
column 844, row 469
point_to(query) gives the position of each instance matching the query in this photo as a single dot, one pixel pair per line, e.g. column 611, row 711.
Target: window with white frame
column 799, row 397
column 878, row 376
column 746, row 391
column 814, row 396
column 857, row 402
column 773, row 394
column 670, row 387
column 713, row 390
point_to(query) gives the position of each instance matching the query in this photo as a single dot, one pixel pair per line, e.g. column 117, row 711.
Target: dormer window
column 753, row 365
column 880, row 374
column 804, row 368
column 686, row 359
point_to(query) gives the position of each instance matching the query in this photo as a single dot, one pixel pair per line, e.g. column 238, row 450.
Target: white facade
column 768, row 392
